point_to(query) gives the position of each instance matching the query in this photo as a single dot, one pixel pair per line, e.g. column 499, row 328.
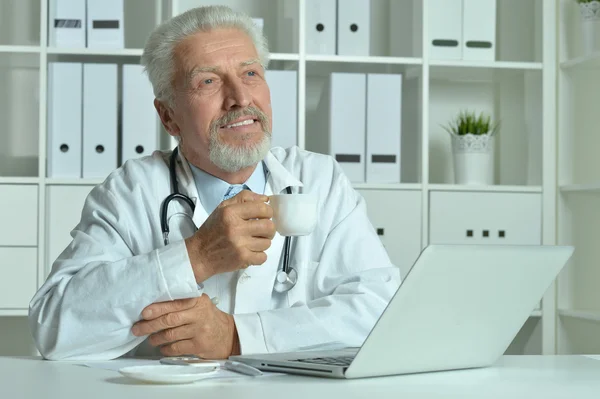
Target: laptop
column 459, row 307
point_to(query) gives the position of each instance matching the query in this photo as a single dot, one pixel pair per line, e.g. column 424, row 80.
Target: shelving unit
column 578, row 208
column 518, row 88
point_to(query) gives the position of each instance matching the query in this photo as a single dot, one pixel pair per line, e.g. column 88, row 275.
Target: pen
column 241, row 368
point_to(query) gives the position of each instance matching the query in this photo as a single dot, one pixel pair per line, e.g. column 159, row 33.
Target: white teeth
column 243, row 123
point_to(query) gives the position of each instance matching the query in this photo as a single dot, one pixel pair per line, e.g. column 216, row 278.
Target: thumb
column 246, row 196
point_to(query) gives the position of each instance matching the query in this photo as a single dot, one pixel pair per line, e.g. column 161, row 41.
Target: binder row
column 339, row 27
column 86, row 23
column 83, row 120
column 362, row 113
column 462, row 30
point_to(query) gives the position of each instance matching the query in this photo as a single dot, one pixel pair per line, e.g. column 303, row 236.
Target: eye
column 251, row 73
column 207, row 81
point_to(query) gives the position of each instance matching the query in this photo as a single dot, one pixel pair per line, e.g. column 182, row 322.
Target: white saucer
column 167, row 374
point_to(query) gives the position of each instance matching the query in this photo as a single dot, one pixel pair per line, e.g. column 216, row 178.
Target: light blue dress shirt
column 212, row 190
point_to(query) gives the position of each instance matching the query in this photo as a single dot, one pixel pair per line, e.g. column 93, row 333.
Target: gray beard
column 233, row 158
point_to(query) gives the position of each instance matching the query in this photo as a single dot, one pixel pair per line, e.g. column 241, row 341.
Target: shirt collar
column 211, row 189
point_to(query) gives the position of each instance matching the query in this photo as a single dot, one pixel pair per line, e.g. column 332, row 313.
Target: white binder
column 479, row 30
column 140, row 120
column 99, row 120
column 64, row 119
column 354, row 30
column 445, row 29
column 105, row 24
column 344, row 107
column 284, row 105
column 66, row 23
column 321, row 26
column 384, row 124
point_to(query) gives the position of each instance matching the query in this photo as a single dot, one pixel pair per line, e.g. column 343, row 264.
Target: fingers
column 263, row 228
column 170, row 320
column 171, row 335
column 162, row 308
column 178, row 348
column 258, row 244
column 253, row 210
column 255, row 258
column 246, row 196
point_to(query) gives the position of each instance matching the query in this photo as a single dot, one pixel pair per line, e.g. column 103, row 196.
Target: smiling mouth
column 246, row 122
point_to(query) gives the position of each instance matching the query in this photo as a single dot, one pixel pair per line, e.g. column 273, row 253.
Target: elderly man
column 121, row 287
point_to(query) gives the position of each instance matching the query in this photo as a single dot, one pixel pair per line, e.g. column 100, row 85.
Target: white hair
column 158, row 58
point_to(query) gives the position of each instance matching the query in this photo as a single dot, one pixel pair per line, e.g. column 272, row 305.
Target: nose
column 238, row 95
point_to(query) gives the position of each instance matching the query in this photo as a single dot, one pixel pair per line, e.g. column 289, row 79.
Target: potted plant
column 590, row 25
column 473, row 148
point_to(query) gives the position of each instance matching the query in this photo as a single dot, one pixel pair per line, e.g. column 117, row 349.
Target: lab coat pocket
column 181, row 226
column 303, row 291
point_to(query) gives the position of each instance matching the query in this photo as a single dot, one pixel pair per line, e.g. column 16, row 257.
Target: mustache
column 231, row 116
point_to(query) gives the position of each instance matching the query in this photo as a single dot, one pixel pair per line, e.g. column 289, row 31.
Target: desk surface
column 512, row 377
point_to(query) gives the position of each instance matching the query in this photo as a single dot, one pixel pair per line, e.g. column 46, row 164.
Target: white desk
column 513, row 377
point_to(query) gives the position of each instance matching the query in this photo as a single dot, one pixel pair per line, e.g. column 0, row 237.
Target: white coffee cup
column 294, row 214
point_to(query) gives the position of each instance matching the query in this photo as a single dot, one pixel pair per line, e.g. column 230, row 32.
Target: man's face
column 222, row 107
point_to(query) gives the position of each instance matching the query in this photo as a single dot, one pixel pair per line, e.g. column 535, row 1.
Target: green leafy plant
column 468, row 122
column 585, row 1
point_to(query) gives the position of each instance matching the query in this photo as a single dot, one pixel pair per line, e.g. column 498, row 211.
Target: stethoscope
column 285, row 279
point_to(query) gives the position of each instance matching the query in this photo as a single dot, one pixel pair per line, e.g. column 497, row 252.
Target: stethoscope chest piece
column 285, row 281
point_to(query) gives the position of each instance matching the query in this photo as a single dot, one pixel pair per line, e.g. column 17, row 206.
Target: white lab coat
column 117, row 264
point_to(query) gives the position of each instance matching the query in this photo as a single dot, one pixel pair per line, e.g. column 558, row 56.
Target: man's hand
column 233, row 237
column 189, row 327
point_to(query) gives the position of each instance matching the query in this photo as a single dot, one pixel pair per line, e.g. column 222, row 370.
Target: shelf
column 133, row 52
column 72, row 182
column 480, row 71
column 284, row 57
column 587, row 61
column 488, row 64
column 581, row 188
column 14, row 312
column 387, row 186
column 19, row 180
column 493, row 189
column 365, row 60
column 589, row 315
column 20, row 49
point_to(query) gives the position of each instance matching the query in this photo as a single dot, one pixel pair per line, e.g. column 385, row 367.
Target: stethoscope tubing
column 290, row 273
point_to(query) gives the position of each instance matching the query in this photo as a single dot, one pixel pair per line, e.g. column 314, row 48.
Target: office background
column 372, row 83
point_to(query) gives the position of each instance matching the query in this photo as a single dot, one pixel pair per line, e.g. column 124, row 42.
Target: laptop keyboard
column 328, row 361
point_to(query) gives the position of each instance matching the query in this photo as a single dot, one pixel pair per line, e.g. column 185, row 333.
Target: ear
column 166, row 117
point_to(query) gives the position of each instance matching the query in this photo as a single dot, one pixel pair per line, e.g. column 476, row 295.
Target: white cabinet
column 396, row 216
column 62, row 216
column 18, row 267
column 18, row 215
column 485, row 218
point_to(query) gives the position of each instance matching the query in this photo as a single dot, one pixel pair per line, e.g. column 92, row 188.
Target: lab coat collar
column 279, row 177
column 187, row 185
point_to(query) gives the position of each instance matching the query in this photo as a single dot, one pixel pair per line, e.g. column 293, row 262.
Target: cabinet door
column 19, row 215
column 485, row 218
column 64, row 212
column 19, row 277
column 396, row 216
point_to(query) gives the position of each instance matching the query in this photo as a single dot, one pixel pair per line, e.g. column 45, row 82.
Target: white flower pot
column 473, row 159
column 590, row 26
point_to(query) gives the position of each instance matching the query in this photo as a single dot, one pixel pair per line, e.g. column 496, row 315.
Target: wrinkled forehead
column 218, row 48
